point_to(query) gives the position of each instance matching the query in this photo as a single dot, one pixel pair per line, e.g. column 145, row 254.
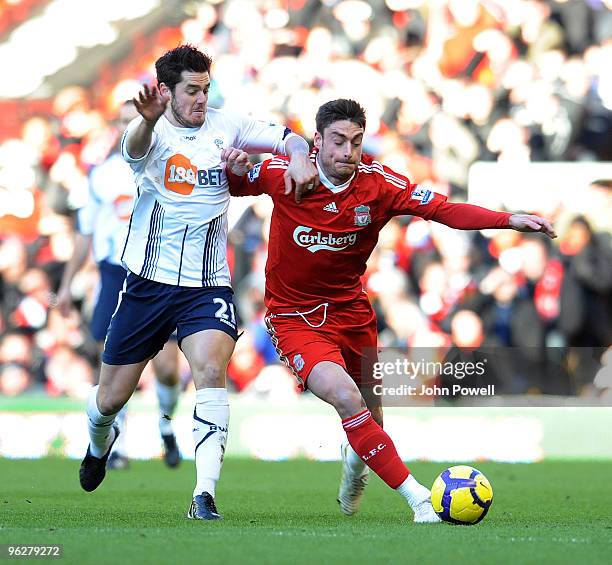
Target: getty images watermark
column 420, row 374
column 400, row 377
column 488, row 376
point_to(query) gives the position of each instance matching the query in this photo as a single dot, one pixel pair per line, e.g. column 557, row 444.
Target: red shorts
column 345, row 335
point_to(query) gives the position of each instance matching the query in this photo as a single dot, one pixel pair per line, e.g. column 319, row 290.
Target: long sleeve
column 470, row 217
column 264, row 178
column 247, row 185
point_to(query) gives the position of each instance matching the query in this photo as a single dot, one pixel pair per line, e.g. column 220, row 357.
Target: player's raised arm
column 262, row 137
column 151, row 104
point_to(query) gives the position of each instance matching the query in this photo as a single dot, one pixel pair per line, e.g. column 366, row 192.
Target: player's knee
column 165, row 365
column 167, row 373
column 348, row 401
column 168, row 379
column 108, row 403
column 207, row 374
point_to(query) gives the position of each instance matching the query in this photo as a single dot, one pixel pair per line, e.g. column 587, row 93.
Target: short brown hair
column 337, row 110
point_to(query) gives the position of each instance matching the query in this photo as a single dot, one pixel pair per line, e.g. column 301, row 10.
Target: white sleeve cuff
column 124, row 152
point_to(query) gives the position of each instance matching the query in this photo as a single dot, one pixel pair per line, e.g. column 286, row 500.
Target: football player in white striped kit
column 102, row 224
column 175, row 252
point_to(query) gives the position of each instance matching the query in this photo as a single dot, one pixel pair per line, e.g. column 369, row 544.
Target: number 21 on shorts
column 222, row 314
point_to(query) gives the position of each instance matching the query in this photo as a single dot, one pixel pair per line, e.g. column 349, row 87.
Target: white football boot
column 425, row 514
column 420, row 501
column 351, row 485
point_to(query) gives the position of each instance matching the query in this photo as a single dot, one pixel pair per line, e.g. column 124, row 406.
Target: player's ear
column 164, row 90
column 318, row 140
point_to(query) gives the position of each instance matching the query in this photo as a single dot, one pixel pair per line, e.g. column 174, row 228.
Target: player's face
column 189, row 99
column 339, row 150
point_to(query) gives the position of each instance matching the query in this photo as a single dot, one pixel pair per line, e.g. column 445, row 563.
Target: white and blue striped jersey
column 178, row 230
column 107, row 213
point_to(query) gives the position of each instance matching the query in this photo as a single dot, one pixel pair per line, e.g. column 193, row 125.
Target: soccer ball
column 461, row 495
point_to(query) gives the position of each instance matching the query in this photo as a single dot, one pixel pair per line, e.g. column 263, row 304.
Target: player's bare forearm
column 296, row 146
column 138, row 140
column 301, row 170
column 82, row 245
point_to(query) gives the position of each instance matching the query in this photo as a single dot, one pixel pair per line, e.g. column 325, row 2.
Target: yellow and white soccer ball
column 461, row 495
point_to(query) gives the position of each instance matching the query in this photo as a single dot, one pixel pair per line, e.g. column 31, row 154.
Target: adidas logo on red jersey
column 331, row 207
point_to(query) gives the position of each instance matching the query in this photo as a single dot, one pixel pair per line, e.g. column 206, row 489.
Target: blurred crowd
column 445, row 83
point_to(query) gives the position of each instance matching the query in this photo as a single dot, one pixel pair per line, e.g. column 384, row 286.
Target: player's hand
column 530, row 223
column 151, row 103
column 236, row 161
column 63, row 301
column 303, row 173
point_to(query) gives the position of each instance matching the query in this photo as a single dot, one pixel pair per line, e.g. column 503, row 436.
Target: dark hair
column 182, row 58
column 341, row 109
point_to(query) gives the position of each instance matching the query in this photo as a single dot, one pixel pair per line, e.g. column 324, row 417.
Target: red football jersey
column 318, row 249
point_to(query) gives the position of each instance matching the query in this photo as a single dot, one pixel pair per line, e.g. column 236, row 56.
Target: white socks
column 100, row 427
column 210, row 423
column 413, row 491
column 167, row 396
column 354, row 462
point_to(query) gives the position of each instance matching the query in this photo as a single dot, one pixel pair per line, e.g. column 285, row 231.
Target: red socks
column 375, row 448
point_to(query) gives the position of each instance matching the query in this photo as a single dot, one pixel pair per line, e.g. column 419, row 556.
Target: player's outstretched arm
column 151, row 104
column 423, row 202
column 300, row 170
column 531, row 223
column 470, row 217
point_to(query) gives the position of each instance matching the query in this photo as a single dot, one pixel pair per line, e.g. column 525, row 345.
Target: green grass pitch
column 551, row 512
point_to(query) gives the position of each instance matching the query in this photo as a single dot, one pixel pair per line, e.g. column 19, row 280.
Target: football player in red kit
column 319, row 317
